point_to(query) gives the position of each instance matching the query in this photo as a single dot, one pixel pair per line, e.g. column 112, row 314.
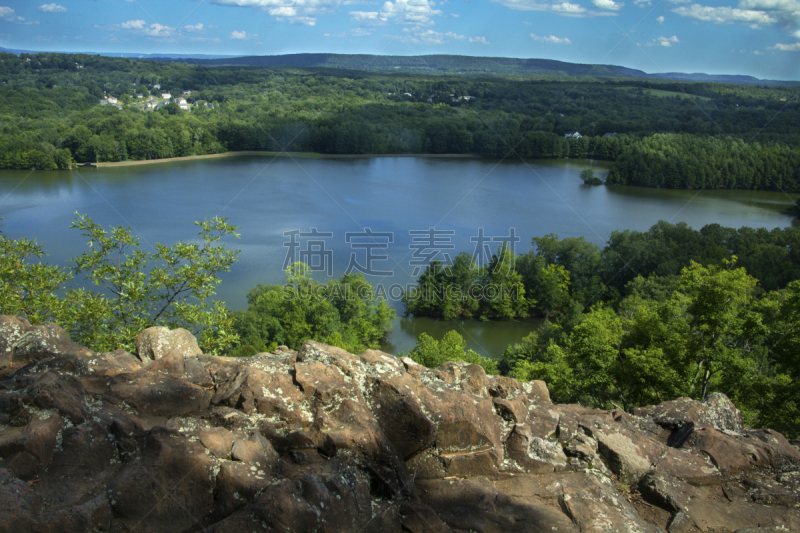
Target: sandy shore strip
column 296, row 155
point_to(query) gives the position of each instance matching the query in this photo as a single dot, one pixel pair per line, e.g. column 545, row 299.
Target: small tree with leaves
column 588, row 177
column 28, row 289
column 171, row 286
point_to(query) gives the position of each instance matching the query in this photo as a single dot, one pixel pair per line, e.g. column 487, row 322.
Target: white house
column 166, row 95
column 184, row 106
column 139, row 96
column 180, row 101
column 572, row 135
column 186, row 93
column 157, row 86
column 112, row 100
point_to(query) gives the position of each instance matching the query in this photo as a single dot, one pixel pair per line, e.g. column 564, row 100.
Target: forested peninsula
column 61, row 110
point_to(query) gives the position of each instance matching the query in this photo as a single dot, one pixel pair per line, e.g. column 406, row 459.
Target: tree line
column 723, row 135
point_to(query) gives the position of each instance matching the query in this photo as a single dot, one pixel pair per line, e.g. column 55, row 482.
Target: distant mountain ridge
column 454, row 64
column 440, row 64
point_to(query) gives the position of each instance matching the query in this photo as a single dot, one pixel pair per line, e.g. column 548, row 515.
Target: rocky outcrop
column 324, row 440
column 156, row 342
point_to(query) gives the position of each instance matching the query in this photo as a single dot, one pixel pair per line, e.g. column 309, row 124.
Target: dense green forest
column 345, row 313
column 652, row 316
column 559, row 274
column 668, row 134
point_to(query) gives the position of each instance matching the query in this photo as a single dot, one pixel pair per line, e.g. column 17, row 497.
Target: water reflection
column 267, row 197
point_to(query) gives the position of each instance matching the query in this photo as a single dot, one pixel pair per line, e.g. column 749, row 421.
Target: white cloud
column 791, row 7
column 786, row 11
column 52, row 8
column 305, row 21
column 196, row 27
column 660, row 19
column 663, row 41
column 242, row 35
column 564, row 8
column 283, row 11
column 725, row 15
column 133, row 25
column 364, row 16
column 416, row 12
column 797, row 34
column 795, row 47
column 292, row 11
column 7, row 14
column 551, row 39
column 141, row 27
column 608, row 4
column 355, row 32
column 158, row 30
column 420, row 36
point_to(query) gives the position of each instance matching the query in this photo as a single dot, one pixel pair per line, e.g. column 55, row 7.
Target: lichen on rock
column 322, row 440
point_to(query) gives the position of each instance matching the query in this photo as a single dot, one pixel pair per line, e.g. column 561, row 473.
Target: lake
column 279, row 200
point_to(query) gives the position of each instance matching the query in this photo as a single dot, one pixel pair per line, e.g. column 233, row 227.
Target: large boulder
column 156, row 342
column 11, row 330
column 29, row 344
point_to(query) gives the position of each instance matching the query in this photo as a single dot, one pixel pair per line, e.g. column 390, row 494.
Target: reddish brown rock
column 63, row 393
column 27, row 450
column 157, row 395
column 170, row 488
column 400, row 414
column 11, row 330
column 219, row 441
column 255, row 450
column 628, row 454
column 683, row 415
column 324, row 441
column 321, row 382
column 111, row 363
column 419, row 518
column 44, row 342
column 237, row 484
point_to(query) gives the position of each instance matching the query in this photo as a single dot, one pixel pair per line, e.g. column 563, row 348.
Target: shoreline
column 296, row 155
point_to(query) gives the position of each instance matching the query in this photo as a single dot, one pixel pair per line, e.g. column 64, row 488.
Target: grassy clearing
column 663, row 94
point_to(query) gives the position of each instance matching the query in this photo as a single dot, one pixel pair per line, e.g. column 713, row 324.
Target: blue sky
column 756, row 37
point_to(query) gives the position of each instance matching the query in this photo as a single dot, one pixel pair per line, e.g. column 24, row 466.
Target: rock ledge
column 322, row 440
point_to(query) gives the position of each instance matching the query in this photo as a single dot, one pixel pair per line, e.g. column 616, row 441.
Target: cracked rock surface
column 322, row 440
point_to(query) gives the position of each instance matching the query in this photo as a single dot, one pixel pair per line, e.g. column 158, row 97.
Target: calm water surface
column 268, row 197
